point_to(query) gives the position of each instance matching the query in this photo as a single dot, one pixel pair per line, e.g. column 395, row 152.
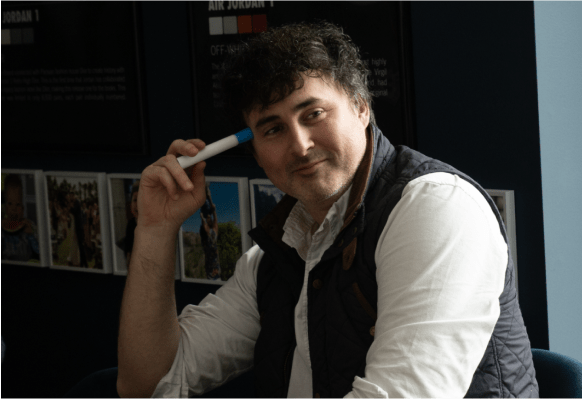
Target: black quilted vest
column 342, row 291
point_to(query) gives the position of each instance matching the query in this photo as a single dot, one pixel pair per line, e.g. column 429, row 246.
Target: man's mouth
column 308, row 168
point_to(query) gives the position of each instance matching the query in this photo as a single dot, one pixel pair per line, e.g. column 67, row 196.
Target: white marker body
column 209, row 151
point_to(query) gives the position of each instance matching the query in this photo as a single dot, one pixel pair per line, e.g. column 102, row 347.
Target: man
column 79, row 220
column 382, row 272
column 131, row 223
column 209, row 239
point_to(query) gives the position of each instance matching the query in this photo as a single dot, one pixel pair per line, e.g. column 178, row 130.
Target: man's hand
column 168, row 194
column 149, row 332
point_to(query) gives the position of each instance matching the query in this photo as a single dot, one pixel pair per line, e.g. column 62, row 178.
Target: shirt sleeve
column 218, row 336
column 441, row 262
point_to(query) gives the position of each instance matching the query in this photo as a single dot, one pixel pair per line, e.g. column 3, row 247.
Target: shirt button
column 373, row 331
column 317, row 284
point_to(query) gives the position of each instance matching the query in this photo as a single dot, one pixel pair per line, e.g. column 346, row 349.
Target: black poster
column 379, row 29
column 71, row 78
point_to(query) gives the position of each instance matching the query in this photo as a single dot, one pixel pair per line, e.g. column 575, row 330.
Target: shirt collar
column 300, row 227
column 273, row 223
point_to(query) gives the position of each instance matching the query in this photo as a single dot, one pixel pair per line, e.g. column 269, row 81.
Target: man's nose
column 301, row 140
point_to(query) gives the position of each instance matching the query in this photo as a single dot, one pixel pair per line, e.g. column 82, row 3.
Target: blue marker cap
column 244, row 135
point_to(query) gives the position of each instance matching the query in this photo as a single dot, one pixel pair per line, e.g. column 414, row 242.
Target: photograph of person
column 123, row 190
column 212, row 238
column 264, row 197
column 20, row 231
column 75, row 222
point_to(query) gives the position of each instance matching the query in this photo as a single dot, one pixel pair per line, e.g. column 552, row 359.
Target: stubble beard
column 315, row 192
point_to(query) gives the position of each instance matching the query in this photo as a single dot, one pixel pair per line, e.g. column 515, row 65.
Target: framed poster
column 381, row 30
column 77, row 220
column 24, row 239
column 215, row 237
column 123, row 190
column 264, row 197
column 66, row 65
column 505, row 202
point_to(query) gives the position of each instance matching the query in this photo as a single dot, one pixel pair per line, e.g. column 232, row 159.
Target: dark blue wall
column 476, row 108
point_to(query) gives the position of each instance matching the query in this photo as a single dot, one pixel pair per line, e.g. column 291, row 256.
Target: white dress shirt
column 441, row 262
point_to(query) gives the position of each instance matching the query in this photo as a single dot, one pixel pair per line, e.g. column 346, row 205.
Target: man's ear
column 363, row 109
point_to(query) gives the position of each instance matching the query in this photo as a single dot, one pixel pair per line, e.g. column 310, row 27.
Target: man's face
column 311, row 143
column 14, row 206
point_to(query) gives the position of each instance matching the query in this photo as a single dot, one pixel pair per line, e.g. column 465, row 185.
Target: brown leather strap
column 360, row 181
column 349, row 253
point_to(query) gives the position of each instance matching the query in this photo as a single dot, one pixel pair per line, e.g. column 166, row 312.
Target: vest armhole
column 365, row 304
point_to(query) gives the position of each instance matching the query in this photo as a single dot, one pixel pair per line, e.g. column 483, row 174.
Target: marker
column 217, row 147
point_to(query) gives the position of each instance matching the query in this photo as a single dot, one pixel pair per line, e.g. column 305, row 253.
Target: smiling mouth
column 309, row 167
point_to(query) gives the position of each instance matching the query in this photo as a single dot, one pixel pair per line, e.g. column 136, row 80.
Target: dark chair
column 558, row 376
column 101, row 384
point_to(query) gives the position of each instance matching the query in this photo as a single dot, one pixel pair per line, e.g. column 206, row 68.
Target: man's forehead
column 258, row 109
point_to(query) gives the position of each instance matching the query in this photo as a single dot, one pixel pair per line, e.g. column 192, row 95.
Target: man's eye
column 314, row 114
column 272, row 131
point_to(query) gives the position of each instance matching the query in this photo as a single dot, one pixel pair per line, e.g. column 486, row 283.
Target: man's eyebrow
column 298, row 107
column 265, row 120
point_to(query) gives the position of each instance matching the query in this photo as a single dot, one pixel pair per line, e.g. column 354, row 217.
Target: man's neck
column 319, row 210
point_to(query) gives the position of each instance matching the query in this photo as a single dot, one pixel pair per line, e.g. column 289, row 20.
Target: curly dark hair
column 269, row 67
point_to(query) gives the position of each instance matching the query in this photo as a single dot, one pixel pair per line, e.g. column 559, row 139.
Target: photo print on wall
column 77, row 221
column 24, row 239
column 264, row 197
column 215, row 237
column 123, row 190
column 504, row 200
